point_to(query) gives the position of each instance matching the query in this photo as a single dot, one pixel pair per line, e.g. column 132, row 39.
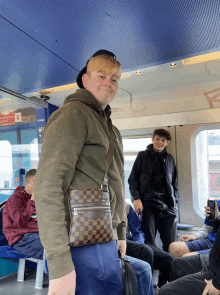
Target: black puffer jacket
column 140, row 177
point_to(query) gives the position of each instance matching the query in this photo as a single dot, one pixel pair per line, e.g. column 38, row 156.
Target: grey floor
column 10, row 286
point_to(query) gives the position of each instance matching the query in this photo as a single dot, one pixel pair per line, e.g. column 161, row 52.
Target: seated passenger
column 199, row 243
column 20, row 220
column 190, row 274
column 157, row 258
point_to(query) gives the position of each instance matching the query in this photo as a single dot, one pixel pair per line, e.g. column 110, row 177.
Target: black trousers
column 187, row 277
column 157, row 258
column 157, row 220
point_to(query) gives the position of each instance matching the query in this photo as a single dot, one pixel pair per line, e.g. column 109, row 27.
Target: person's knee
column 146, row 270
column 176, row 269
column 166, row 261
column 147, row 255
column 178, row 249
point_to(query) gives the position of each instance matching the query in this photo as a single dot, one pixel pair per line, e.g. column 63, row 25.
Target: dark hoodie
column 74, row 149
column 158, row 179
column 154, row 172
column 17, row 216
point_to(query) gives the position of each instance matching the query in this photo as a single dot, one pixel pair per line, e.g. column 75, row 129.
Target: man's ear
column 85, row 78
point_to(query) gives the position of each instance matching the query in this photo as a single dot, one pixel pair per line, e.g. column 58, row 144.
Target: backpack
column 128, row 277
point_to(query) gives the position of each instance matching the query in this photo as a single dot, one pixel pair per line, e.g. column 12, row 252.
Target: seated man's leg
column 140, row 251
column 30, row 245
column 143, row 274
column 192, row 284
column 178, row 249
column 183, row 266
column 162, row 261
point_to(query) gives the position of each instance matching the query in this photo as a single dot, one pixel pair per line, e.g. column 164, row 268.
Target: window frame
column 194, row 178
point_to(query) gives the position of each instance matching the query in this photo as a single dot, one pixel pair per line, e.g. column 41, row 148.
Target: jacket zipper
column 89, row 208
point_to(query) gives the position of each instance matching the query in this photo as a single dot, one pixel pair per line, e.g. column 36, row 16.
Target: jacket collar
column 150, row 149
column 87, row 98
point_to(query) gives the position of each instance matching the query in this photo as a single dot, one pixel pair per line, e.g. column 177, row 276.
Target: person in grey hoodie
column 74, row 149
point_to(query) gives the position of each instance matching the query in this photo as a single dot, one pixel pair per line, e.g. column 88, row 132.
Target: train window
column 18, row 154
column 218, row 181
column 6, row 171
column 131, row 147
column 206, row 168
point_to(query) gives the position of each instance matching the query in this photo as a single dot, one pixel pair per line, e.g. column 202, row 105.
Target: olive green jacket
column 74, row 149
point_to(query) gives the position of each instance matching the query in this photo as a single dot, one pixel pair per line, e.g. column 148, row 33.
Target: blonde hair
column 103, row 63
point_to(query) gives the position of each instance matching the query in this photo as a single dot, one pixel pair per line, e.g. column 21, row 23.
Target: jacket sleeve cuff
column 135, row 198
column 121, row 231
column 198, row 235
column 60, row 265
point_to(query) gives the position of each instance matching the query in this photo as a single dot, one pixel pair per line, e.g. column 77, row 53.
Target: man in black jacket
column 154, row 189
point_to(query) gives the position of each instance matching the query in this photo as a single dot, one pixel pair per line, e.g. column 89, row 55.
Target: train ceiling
column 45, row 44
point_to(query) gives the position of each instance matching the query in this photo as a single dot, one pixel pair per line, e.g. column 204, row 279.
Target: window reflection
column 131, row 147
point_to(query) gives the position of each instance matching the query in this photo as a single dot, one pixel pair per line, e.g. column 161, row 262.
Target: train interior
column 170, row 54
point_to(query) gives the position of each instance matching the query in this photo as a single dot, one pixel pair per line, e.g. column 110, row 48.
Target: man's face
column 159, row 143
column 104, row 87
column 30, row 183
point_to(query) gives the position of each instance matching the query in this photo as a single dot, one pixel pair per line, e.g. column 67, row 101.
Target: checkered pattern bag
column 90, row 214
column 90, row 211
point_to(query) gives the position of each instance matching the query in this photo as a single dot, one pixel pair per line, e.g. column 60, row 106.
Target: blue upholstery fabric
column 8, row 252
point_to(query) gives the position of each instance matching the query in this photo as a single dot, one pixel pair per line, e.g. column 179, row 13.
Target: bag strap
column 109, row 156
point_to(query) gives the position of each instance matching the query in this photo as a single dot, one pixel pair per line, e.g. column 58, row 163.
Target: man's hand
column 138, row 206
column 210, row 289
column 122, row 245
column 32, row 196
column 65, row 285
column 188, row 238
column 208, row 211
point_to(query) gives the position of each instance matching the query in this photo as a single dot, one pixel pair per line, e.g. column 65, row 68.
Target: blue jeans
column 143, row 274
column 97, row 269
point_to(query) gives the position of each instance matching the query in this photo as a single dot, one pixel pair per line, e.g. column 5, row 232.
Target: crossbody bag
column 90, row 212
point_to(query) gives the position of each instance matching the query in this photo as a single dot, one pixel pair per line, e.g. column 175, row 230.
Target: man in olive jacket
column 154, row 189
column 74, row 149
